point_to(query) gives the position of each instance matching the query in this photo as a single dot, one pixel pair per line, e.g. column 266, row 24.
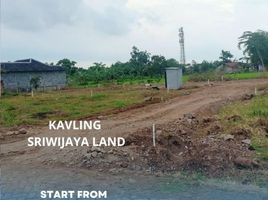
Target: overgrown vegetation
column 253, row 115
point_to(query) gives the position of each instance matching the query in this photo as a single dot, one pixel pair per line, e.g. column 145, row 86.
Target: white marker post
column 208, row 81
column 154, row 135
column 255, row 91
column 221, row 78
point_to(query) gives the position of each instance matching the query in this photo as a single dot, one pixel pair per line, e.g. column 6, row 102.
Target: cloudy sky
column 90, row 31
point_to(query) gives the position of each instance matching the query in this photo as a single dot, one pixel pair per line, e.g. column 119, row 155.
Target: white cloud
column 105, row 30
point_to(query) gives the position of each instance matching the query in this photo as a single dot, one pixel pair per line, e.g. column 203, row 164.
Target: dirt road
column 16, row 153
column 124, row 123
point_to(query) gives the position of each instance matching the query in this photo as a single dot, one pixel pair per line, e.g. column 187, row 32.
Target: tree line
column 143, row 64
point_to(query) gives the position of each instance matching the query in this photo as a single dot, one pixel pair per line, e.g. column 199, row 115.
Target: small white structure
column 173, row 78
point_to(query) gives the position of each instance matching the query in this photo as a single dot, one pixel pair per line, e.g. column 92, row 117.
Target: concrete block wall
column 21, row 80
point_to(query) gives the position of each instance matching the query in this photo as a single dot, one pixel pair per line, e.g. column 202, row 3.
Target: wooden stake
column 154, row 135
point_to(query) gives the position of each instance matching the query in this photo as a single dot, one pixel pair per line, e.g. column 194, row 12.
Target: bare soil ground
column 178, row 144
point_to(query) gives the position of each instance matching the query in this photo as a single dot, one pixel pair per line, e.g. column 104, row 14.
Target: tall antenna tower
column 182, row 56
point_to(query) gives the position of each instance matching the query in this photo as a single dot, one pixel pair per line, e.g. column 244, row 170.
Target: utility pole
column 182, row 51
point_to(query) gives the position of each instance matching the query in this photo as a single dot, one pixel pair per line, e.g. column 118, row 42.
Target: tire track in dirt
column 175, row 108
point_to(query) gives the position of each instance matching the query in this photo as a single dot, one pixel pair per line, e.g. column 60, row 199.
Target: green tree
column 98, row 66
column 158, row 64
column 225, row 57
column 68, row 65
column 35, row 82
column 255, row 46
column 206, row 66
column 98, row 72
column 139, row 59
column 172, row 63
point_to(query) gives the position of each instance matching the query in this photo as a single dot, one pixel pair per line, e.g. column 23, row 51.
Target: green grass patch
column 252, row 113
column 120, row 104
column 246, row 75
column 262, row 150
column 126, row 81
column 214, row 76
column 73, row 104
column 64, row 105
column 98, row 96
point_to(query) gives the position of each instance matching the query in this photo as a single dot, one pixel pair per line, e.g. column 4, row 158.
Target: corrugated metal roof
column 28, row 65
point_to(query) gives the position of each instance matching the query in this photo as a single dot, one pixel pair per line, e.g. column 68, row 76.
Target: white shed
column 173, row 78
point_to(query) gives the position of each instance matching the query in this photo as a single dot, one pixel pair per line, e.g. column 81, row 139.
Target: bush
column 212, row 76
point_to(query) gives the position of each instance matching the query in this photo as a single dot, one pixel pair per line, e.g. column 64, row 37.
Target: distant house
column 232, row 67
column 17, row 75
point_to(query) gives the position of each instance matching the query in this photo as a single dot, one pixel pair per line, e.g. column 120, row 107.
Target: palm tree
column 225, row 57
column 255, row 46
